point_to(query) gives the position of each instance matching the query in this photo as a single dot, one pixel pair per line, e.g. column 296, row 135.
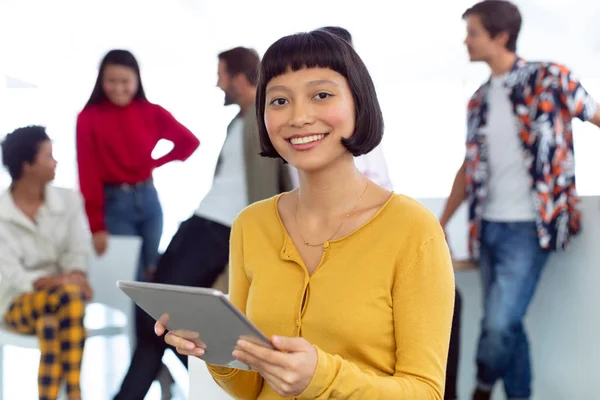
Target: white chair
column 118, row 263
column 111, row 310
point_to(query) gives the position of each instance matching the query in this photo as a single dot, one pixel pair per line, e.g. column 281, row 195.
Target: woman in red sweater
column 116, row 133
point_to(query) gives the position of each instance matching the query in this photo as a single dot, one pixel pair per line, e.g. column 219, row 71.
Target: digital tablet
column 207, row 312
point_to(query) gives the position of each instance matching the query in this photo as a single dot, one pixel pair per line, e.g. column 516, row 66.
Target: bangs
column 316, row 49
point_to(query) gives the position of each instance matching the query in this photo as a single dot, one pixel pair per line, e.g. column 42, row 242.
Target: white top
column 372, row 165
column 57, row 242
column 509, row 198
column 228, row 195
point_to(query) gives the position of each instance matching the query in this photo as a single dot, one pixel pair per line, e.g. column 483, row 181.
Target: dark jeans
column 136, row 211
column 196, row 256
column 454, row 352
column 511, row 264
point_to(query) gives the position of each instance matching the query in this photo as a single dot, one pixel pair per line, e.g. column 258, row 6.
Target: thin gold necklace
column 339, row 227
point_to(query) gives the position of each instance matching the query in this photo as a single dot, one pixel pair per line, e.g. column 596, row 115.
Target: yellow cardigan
column 378, row 309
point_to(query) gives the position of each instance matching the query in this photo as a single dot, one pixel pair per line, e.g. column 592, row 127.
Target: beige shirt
column 57, row 242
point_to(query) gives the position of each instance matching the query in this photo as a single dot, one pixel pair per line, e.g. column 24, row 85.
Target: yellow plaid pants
column 55, row 315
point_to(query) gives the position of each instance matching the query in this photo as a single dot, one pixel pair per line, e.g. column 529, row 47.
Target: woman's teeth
column 306, row 139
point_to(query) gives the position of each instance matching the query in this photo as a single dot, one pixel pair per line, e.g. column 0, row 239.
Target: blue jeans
column 511, row 264
column 135, row 210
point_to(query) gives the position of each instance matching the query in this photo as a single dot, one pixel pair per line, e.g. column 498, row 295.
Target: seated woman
column 354, row 284
column 44, row 245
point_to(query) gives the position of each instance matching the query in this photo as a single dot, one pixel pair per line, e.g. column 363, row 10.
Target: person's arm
column 423, row 303
column 90, row 179
column 74, row 257
column 596, row 118
column 575, row 98
column 184, row 141
column 458, row 194
column 237, row 383
column 13, row 272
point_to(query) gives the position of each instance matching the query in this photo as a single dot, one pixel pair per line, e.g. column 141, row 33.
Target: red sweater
column 114, row 146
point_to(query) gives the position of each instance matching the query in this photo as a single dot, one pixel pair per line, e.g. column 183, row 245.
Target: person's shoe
column 482, row 395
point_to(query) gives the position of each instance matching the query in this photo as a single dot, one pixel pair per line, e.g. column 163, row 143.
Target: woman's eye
column 278, row 101
column 322, row 96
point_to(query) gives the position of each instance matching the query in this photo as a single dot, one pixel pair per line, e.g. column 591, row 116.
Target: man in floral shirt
column 519, row 179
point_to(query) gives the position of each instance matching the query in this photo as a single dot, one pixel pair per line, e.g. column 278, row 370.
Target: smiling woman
column 353, row 283
column 117, row 132
column 116, row 183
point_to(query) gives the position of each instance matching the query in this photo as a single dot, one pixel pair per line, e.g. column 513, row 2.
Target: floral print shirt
column 545, row 98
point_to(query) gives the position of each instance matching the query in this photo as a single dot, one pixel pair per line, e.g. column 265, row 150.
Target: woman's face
column 307, row 113
column 120, row 84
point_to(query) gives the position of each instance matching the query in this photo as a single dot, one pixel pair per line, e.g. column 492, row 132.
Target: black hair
column 321, row 49
column 116, row 57
column 498, row 16
column 339, row 31
column 22, row 146
column 241, row 60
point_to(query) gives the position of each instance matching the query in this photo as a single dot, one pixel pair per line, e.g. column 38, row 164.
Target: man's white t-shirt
column 509, row 197
column 228, row 195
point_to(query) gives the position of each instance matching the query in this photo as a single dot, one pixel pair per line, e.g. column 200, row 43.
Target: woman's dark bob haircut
column 321, row 49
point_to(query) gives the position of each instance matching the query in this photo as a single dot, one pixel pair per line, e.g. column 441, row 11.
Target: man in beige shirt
column 44, row 245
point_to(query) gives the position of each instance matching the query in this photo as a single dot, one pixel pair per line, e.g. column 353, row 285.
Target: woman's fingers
column 179, row 342
column 159, row 328
column 186, row 342
column 185, row 346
